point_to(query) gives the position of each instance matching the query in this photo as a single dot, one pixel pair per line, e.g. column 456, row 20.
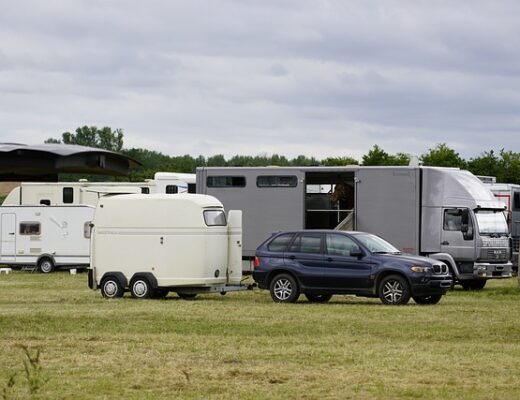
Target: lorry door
column 305, row 258
column 344, row 268
column 8, row 230
column 458, row 234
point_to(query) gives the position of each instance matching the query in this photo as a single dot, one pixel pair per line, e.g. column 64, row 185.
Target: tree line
column 504, row 165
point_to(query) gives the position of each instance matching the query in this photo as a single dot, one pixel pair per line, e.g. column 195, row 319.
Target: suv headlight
column 418, row 269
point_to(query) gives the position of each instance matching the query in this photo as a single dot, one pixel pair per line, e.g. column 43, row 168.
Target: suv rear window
column 307, row 243
column 280, row 243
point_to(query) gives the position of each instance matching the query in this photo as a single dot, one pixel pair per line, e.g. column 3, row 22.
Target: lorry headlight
column 416, row 268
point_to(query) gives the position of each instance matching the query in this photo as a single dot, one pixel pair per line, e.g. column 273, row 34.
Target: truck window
column 68, row 195
column 30, row 228
column 307, row 243
column 280, row 243
column 172, row 189
column 192, row 188
column 277, row 181
column 215, row 218
column 452, row 219
column 226, row 181
column 516, row 201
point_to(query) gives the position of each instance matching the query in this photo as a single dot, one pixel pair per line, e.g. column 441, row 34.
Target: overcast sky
column 319, row 78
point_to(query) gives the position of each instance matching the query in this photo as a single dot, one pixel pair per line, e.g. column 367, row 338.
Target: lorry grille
column 440, row 269
column 497, row 254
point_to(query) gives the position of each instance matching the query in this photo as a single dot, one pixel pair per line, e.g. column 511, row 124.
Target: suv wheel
column 284, row 289
column 394, row 290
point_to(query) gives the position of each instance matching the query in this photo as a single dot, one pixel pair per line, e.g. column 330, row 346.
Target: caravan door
column 8, row 245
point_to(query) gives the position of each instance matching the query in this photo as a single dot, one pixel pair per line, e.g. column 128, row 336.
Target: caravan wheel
column 45, row 265
column 140, row 288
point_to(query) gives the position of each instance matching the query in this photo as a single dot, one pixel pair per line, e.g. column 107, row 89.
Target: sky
column 318, row 78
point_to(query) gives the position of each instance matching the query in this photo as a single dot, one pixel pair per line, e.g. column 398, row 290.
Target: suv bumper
column 433, row 287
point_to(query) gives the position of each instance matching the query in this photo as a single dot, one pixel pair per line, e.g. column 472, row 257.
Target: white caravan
column 46, row 237
column 85, row 192
column 153, row 244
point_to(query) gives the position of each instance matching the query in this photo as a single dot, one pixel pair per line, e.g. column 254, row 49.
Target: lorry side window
column 192, row 188
column 68, row 195
column 307, row 243
column 215, row 218
column 30, row 228
column 516, row 201
column 172, row 189
column 277, row 181
column 280, row 243
column 226, row 181
column 452, row 219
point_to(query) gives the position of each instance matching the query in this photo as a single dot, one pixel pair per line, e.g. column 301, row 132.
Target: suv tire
column 394, row 290
column 284, row 289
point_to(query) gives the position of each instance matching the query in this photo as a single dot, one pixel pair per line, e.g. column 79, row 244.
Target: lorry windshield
column 491, row 222
column 375, row 244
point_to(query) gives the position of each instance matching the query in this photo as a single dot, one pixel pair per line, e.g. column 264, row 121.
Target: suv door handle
column 445, row 243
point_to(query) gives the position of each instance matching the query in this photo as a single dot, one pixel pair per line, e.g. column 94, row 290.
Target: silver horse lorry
column 443, row 213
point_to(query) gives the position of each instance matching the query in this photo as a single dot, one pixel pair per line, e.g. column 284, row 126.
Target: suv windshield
column 375, row 244
column 491, row 222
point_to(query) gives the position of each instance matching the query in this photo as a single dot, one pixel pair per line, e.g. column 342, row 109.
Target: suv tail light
column 256, row 262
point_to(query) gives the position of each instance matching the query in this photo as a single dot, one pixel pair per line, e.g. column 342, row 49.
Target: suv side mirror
column 357, row 253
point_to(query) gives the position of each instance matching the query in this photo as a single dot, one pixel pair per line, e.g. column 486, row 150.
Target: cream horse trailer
column 153, row 244
column 46, row 237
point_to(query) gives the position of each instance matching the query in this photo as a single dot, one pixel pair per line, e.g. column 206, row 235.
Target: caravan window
column 68, row 195
column 45, row 202
column 226, row 181
column 145, row 190
column 277, row 181
column 172, row 189
column 30, row 228
column 215, row 218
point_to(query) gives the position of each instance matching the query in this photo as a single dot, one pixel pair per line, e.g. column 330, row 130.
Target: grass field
column 242, row 345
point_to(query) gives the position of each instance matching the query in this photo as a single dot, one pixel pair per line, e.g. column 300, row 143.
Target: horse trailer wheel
column 111, row 288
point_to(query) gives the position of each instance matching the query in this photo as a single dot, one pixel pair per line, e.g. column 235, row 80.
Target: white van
column 46, row 237
column 156, row 243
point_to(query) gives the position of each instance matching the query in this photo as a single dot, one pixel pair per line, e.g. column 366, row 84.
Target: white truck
column 443, row 213
column 46, row 237
column 153, row 244
column 85, row 192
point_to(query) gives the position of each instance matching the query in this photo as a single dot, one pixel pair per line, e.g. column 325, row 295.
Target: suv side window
column 280, row 243
column 307, row 243
column 340, row 245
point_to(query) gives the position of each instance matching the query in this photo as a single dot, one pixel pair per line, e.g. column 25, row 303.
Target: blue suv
column 320, row 264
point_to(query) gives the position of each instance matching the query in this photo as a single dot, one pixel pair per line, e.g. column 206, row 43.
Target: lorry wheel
column 473, row 284
column 318, row 298
column 111, row 288
column 433, row 299
column 140, row 288
column 284, row 289
column 45, row 265
column 187, row 296
column 394, row 290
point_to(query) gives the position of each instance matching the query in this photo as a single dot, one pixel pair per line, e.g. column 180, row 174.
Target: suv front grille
column 440, row 269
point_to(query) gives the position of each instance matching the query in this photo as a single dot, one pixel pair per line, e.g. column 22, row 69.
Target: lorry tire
column 433, row 299
column 111, row 287
column 318, row 298
column 284, row 289
column 394, row 290
column 140, row 288
column 45, row 265
column 473, row 284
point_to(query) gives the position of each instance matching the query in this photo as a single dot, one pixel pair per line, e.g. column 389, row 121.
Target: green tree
column 92, row 136
column 442, row 156
column 509, row 167
column 339, row 161
column 377, row 156
column 486, row 164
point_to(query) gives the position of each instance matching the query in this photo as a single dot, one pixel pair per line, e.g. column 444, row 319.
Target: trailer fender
column 118, row 275
column 448, row 259
column 149, row 276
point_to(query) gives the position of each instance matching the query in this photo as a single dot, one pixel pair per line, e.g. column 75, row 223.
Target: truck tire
column 394, row 290
column 423, row 300
column 284, row 289
column 473, row 284
column 111, row 287
column 140, row 288
column 45, row 265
